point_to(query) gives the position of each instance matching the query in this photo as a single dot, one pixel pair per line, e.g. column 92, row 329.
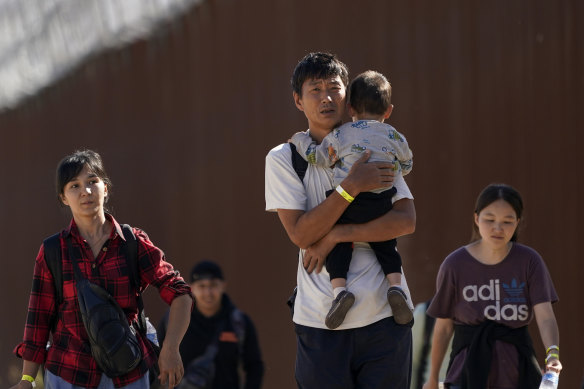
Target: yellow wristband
column 344, row 193
column 551, row 356
column 26, row 377
column 552, row 347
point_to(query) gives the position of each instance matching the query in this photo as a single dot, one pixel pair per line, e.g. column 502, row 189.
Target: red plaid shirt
column 69, row 355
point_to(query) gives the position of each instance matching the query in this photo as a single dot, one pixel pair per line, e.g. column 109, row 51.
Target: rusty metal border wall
column 484, row 91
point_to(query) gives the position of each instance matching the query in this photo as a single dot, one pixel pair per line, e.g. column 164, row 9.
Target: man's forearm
column 400, row 221
column 305, row 228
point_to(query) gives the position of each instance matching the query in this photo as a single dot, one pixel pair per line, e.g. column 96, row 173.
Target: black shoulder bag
column 114, row 345
column 129, row 250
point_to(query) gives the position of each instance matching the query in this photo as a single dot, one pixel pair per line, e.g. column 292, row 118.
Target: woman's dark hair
column 71, row 166
column 318, row 66
column 495, row 192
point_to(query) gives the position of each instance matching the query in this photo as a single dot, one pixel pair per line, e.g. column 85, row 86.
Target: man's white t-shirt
column 365, row 279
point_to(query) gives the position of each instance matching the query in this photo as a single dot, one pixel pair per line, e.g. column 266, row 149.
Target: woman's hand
column 550, row 334
column 553, row 364
column 171, row 366
column 315, row 255
column 431, row 384
column 22, row 385
column 169, row 360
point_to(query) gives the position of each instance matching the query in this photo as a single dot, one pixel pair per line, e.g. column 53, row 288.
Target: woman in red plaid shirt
column 83, row 185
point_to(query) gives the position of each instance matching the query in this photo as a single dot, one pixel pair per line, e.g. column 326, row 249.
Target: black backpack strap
column 238, row 323
column 300, row 166
column 130, row 251
column 298, row 163
column 52, row 249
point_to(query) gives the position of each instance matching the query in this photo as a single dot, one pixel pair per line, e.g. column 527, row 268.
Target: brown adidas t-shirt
column 468, row 292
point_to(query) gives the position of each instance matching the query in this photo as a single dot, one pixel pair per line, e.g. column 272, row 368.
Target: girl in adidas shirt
column 487, row 292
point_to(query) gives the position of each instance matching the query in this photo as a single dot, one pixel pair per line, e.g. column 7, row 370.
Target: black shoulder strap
column 52, row 248
column 298, row 163
column 238, row 323
column 130, row 251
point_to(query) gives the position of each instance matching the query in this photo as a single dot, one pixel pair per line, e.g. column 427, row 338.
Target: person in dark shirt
column 487, row 292
column 220, row 338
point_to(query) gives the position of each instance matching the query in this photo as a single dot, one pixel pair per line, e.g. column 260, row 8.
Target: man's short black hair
column 318, row 66
column 206, row 270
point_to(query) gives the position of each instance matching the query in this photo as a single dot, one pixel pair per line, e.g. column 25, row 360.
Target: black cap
column 206, row 270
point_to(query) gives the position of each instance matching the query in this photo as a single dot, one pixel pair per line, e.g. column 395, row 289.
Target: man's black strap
column 300, row 166
column 298, row 163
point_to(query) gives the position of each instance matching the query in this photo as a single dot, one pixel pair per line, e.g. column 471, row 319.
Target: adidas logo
column 514, row 291
column 492, row 292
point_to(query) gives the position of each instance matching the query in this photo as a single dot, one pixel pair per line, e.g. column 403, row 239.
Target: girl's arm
column 42, row 306
column 28, row 368
column 550, row 335
column 169, row 361
column 443, row 330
